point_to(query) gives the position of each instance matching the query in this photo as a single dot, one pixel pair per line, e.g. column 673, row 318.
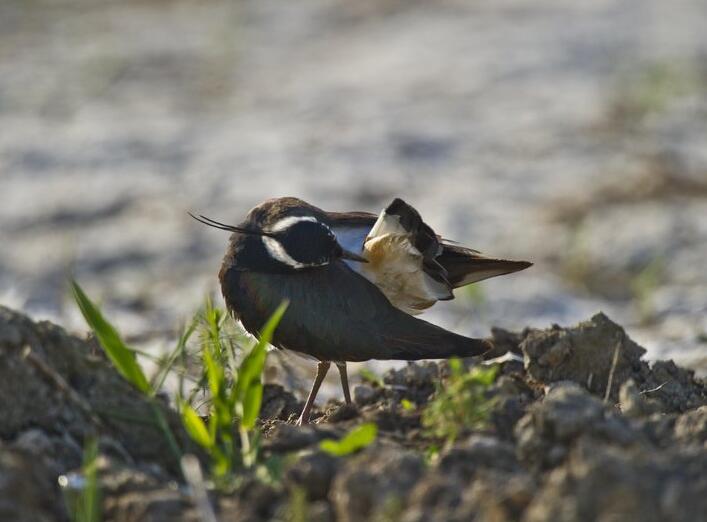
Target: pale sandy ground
column 503, row 122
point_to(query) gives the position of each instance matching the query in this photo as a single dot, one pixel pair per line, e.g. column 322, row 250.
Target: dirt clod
column 313, row 473
column 566, row 414
column 601, row 482
column 364, row 394
column 375, row 482
column 587, row 354
column 691, row 427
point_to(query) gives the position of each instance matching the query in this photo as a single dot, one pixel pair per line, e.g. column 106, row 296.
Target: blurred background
column 569, row 133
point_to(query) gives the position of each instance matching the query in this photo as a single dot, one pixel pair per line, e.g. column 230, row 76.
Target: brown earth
column 583, row 429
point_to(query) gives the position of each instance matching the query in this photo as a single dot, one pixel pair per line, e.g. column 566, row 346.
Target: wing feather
column 337, row 315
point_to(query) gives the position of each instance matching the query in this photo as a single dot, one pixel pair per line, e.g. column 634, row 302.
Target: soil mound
column 582, row 429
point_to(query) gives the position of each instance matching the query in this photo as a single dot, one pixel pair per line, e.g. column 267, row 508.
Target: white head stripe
column 288, row 221
column 278, row 252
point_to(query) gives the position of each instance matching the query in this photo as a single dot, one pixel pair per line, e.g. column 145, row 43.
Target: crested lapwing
column 353, row 281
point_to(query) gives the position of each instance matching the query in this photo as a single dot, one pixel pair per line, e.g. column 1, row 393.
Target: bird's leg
column 344, row 381
column 322, row 369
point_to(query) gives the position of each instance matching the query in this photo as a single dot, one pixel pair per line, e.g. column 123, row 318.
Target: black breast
column 328, row 317
column 317, row 320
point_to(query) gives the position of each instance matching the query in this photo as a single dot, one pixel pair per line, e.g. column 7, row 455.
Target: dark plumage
column 350, row 278
column 336, row 315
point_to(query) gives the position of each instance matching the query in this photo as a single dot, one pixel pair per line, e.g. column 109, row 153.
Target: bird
column 354, row 282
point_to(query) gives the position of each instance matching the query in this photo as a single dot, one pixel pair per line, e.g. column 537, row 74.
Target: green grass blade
column 269, row 328
column 212, row 320
column 356, row 439
column 248, row 379
column 221, row 464
column 252, row 366
column 122, row 357
column 214, row 372
column 89, row 508
column 160, row 377
column 195, row 426
column 251, row 404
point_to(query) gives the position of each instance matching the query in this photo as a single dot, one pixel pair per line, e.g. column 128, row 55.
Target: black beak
column 347, row 254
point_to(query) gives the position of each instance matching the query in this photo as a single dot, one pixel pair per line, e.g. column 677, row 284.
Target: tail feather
column 465, row 266
column 465, row 347
column 423, row 340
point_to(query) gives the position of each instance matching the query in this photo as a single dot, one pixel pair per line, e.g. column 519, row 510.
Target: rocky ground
column 582, row 429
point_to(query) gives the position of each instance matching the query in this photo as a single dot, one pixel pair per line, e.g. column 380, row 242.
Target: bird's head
column 297, row 242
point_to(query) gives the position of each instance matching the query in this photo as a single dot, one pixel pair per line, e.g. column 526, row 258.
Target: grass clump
column 230, row 382
column 462, row 404
column 234, row 401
